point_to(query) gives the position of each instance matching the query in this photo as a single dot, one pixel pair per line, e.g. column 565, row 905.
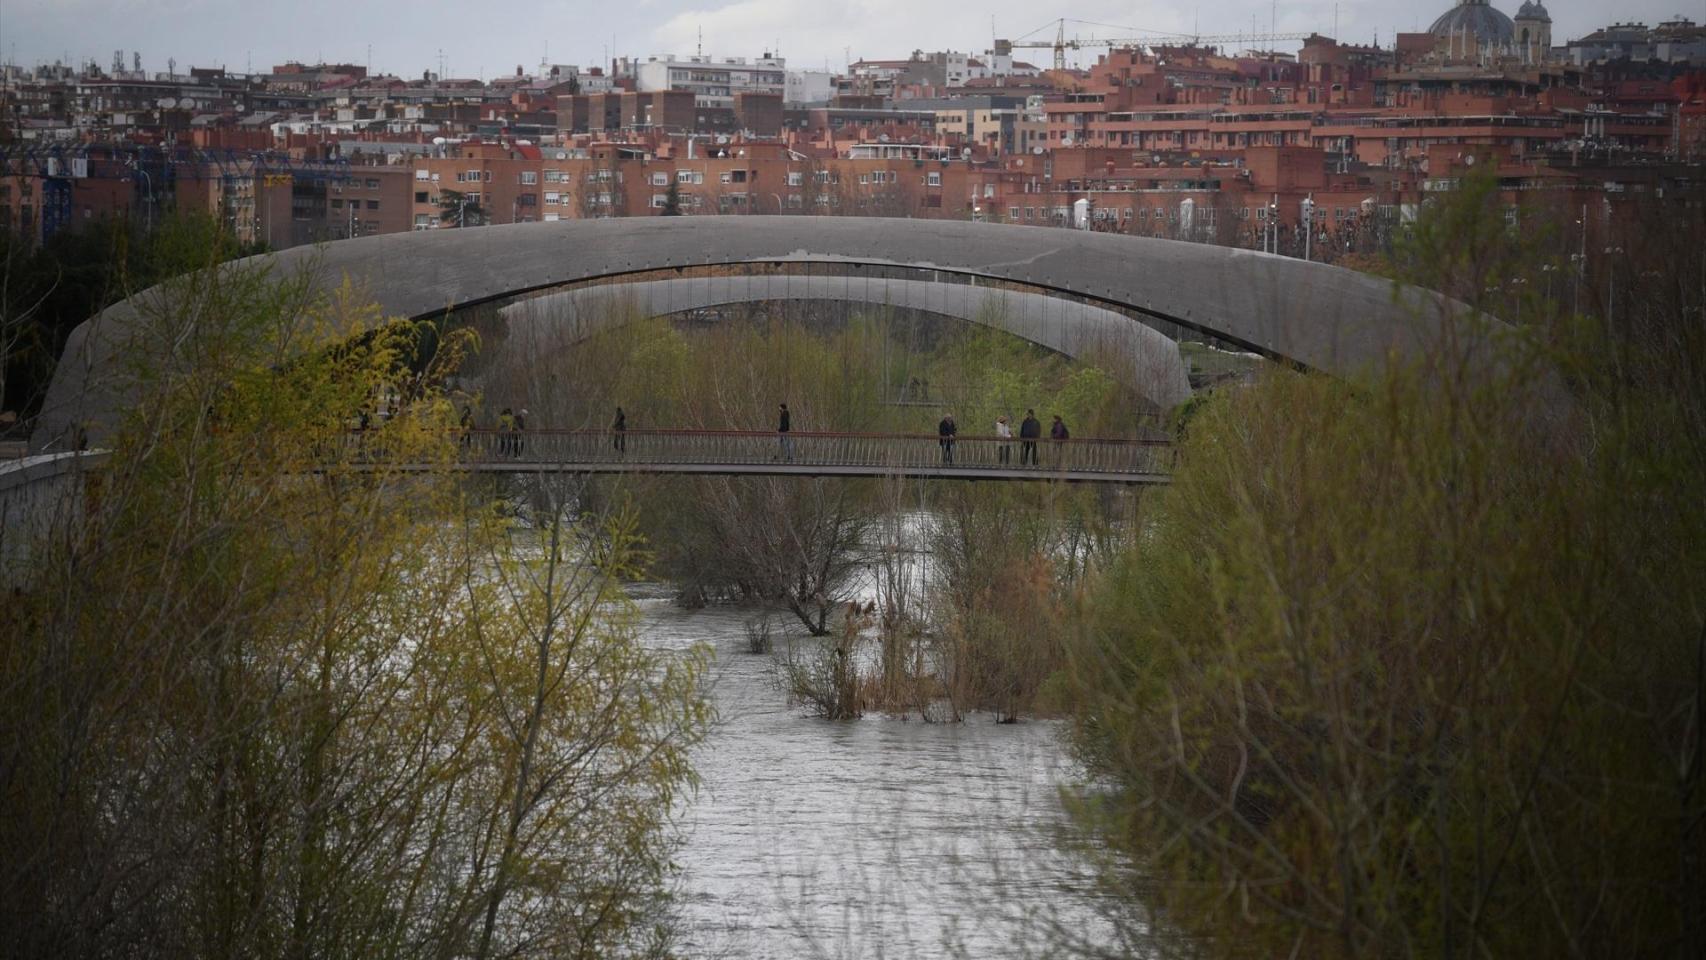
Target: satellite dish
column 1066, row 141
column 965, row 154
column 167, row 103
column 187, row 103
column 884, row 138
column 438, row 141
column 1038, row 151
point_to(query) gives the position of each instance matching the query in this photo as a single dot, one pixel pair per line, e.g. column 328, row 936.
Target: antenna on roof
column 699, row 51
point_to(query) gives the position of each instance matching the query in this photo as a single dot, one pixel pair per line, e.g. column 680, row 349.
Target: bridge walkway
column 801, row 454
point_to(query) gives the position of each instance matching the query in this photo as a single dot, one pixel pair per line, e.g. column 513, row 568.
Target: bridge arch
column 1308, row 314
column 1140, row 356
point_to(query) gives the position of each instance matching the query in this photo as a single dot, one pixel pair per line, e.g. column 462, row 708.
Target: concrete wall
column 40, row 496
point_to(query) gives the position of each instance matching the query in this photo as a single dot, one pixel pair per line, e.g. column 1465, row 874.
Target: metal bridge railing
column 879, row 452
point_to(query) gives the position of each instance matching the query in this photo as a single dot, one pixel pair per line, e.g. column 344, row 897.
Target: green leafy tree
column 455, row 209
column 1414, row 666
column 283, row 690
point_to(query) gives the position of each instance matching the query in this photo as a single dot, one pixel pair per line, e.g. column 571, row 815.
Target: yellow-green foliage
column 276, row 697
column 1413, row 667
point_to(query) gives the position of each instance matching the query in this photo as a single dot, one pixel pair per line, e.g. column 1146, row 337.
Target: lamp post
column 147, row 182
column 1308, row 225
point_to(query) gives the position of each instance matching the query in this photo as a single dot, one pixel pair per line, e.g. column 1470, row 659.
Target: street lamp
column 1308, row 224
column 148, row 182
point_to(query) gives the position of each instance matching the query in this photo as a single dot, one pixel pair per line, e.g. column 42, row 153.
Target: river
column 873, row 838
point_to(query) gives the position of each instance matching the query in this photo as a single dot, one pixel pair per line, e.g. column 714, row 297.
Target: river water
column 873, row 838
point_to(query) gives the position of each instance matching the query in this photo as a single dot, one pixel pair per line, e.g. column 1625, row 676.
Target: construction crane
column 1060, row 44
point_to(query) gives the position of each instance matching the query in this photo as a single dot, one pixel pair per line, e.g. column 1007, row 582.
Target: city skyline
column 406, row 40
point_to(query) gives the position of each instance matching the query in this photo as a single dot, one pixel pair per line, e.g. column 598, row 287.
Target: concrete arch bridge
column 1307, row 314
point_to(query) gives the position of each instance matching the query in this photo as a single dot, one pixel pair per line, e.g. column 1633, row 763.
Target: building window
column 552, row 197
column 422, row 221
column 660, row 179
column 420, row 196
column 422, row 174
column 933, row 179
column 337, row 204
column 1012, row 213
column 796, row 178
column 660, row 200
column 529, row 177
column 373, row 184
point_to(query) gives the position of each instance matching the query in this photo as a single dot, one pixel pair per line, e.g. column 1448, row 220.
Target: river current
column 878, row 837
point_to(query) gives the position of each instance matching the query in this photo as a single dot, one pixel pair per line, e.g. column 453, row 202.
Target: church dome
column 1478, row 19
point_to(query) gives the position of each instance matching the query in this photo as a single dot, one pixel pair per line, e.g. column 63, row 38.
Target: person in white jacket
column 1005, row 434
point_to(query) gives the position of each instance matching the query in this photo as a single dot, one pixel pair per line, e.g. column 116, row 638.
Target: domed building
column 1534, row 32
column 1474, row 29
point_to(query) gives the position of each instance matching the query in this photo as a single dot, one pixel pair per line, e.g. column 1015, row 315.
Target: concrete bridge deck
column 736, row 453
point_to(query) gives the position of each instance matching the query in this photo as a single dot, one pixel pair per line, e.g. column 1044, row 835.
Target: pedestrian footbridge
column 735, row 453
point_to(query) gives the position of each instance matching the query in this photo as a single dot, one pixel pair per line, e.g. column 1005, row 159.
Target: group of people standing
column 1030, row 431
column 511, row 425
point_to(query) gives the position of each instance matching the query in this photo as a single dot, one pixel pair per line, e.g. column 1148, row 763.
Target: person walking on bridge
column 619, row 432
column 506, row 432
column 1004, row 433
column 784, row 425
column 947, row 431
column 1029, row 431
column 520, row 427
column 1059, row 434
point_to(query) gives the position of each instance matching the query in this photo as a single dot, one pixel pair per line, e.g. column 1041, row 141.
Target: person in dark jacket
column 946, row 430
column 619, row 431
column 467, row 425
column 784, row 424
column 516, row 446
column 506, row 432
column 1058, row 433
column 1029, row 431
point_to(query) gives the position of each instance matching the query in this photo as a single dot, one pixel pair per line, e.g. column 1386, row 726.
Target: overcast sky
column 483, row 38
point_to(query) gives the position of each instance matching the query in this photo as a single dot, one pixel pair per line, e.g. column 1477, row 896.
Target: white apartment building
column 714, row 81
